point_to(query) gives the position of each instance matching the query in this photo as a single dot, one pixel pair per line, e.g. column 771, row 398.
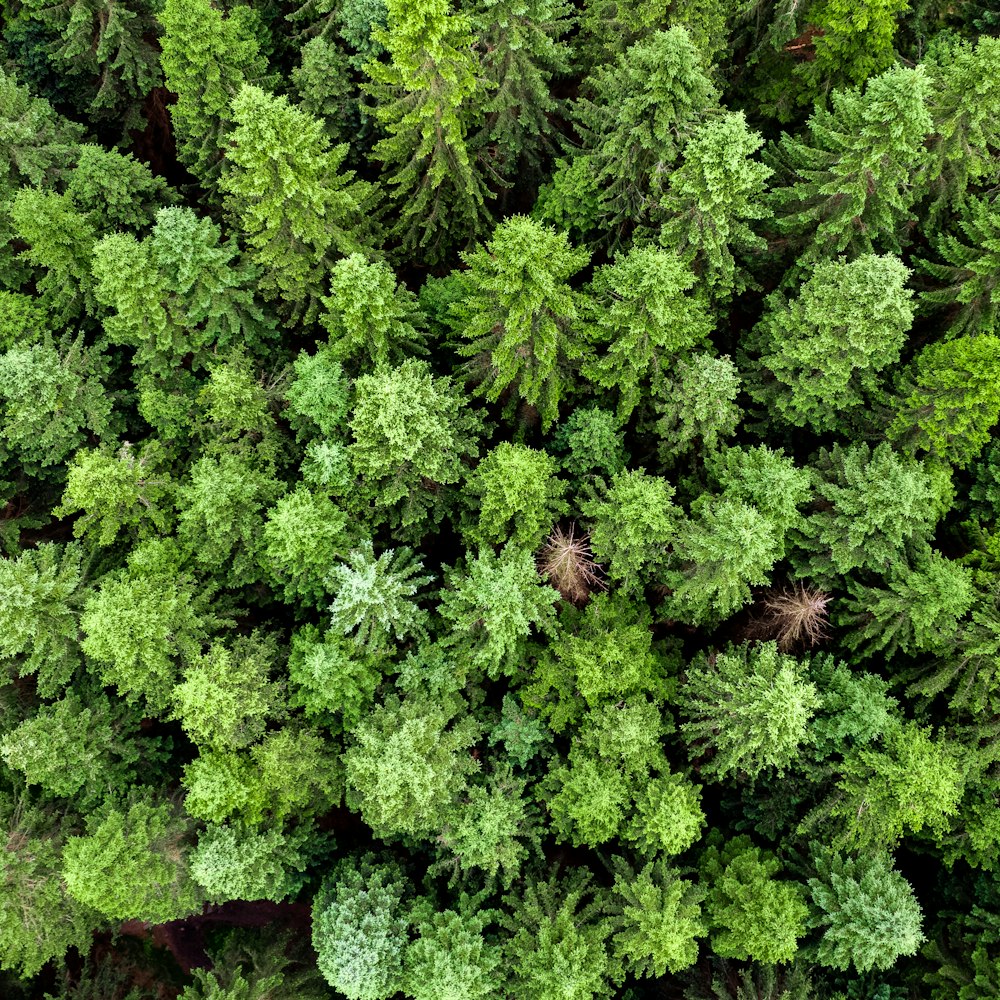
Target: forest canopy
column 499, row 500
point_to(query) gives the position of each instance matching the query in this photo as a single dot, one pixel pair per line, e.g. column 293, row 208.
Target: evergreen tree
column 750, row 707
column 429, row 98
column 852, row 182
column 284, row 189
column 968, row 274
column 523, row 50
column 207, row 56
column 633, row 124
column 637, row 306
column 452, row 958
column 821, row 352
column 712, row 198
column 520, row 315
column 867, row 911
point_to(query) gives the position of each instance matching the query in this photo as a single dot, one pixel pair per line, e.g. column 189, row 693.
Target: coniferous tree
column 429, row 98
column 852, row 182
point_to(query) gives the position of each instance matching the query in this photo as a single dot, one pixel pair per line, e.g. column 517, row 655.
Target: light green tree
column 866, row 910
column 639, row 308
column 822, row 352
column 429, row 96
column 451, row 957
column 520, row 315
column 750, row 706
column 712, row 198
column 285, row 191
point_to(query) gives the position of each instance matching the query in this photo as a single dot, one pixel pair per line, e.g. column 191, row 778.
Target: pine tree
column 712, row 198
column 821, row 352
column 955, row 401
column 430, row 96
column 965, row 107
column 968, row 277
column 523, row 50
column 639, row 308
column 866, row 909
column 207, row 56
column 750, row 707
column 180, row 291
column 520, row 314
column 633, row 127
column 853, row 181
column 286, row 192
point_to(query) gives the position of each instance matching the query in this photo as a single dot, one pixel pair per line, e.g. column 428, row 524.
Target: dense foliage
column 499, row 499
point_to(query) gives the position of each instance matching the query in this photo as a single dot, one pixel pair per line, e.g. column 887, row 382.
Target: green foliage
column 633, row 520
column 285, row 191
column 407, row 762
column 72, row 749
column 867, row 911
column 638, row 307
column 633, row 123
column 52, row 396
column 559, row 943
column 853, row 181
column 373, row 597
column 39, row 919
column 177, row 293
column 451, row 959
column 359, row 929
column 821, row 352
column 412, row 433
column 369, row 316
column 116, row 490
column 226, row 699
column 712, row 198
column 428, row 98
column 132, row 862
column 750, row 706
column 660, row 919
column 493, row 604
column 752, row 914
column 207, row 56
column 520, row 314
column 879, row 505
column 41, row 594
column 954, row 402
column 141, row 620
column 519, row 496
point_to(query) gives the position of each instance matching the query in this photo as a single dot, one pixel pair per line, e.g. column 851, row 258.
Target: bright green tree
column 518, row 494
column 493, row 604
column 639, row 308
column 372, row 319
column 180, row 291
column 412, row 435
column 712, row 198
column 429, row 97
column 132, row 864
column 117, row 489
column 406, row 763
column 207, row 56
column 751, row 913
column 866, row 909
column 520, row 315
column 41, row 595
column 659, row 918
column 749, row 706
column 451, row 957
column 285, row 191
column 821, row 352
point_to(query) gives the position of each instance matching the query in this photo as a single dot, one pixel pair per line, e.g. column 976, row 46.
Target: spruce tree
column 429, row 98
